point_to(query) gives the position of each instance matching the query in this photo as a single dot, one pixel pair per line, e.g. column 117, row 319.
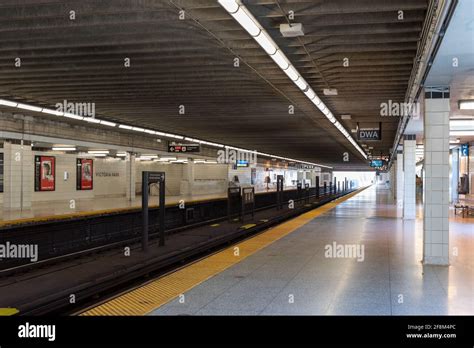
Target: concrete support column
column 436, row 183
column 130, row 177
column 392, row 179
column 399, row 184
column 454, row 175
column 409, row 177
column 18, row 176
column 187, row 184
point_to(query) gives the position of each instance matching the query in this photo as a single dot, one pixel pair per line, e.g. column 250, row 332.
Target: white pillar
column 18, row 177
column 455, row 176
column 409, row 177
column 130, row 177
column 399, row 169
column 436, row 184
column 393, row 178
column 187, row 184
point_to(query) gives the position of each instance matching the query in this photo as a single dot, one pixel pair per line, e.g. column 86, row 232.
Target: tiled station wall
column 173, row 176
column 110, row 179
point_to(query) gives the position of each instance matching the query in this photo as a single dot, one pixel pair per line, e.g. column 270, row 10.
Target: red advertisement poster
column 45, row 173
column 84, row 174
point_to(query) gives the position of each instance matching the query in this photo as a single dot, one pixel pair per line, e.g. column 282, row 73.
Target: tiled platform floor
column 293, row 277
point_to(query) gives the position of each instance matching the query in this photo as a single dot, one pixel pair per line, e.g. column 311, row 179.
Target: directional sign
column 376, row 163
column 182, row 148
column 465, row 150
column 156, row 177
column 147, row 179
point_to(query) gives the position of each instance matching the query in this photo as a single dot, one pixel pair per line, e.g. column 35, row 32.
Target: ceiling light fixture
column 96, row 152
column 61, row 148
column 29, row 107
column 52, row 112
column 466, row 104
column 8, row 103
column 243, row 16
column 279, row 58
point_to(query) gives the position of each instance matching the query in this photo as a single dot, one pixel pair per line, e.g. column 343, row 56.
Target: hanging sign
column 369, row 134
column 181, row 148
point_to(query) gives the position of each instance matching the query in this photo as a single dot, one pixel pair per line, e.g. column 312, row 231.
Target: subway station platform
column 290, row 158
column 287, row 270
column 99, row 205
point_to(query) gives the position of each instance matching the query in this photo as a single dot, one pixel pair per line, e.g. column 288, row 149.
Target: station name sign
column 369, row 134
column 183, row 148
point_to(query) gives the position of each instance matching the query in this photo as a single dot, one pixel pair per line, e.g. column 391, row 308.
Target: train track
column 99, row 291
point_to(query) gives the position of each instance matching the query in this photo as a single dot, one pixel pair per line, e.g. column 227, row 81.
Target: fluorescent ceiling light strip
column 8, row 103
column 243, row 16
column 98, row 151
column 310, row 93
column 292, row 73
column 52, row 112
column 230, row 5
column 29, row 107
column 461, row 123
column 266, row 42
column 247, row 21
column 301, row 83
column 280, row 59
column 107, row 123
column 60, row 148
column 466, row 105
column 75, row 117
column 461, row 133
column 316, row 100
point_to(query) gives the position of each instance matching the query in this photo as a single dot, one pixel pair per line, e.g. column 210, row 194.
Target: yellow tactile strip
column 156, row 293
column 8, row 311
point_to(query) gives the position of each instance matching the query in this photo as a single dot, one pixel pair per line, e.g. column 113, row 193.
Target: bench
column 466, row 207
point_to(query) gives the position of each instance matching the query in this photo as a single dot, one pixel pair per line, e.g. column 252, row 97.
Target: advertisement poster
column 45, row 173
column 84, row 174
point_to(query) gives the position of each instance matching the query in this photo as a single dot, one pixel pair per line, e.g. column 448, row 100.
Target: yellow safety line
column 154, row 294
column 247, row 226
column 8, row 311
